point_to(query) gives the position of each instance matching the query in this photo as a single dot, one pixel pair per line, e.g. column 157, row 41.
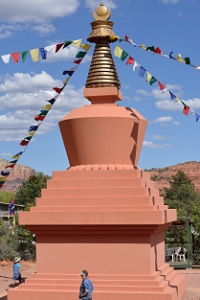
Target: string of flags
column 157, row 50
column 42, row 53
column 123, row 55
column 39, row 118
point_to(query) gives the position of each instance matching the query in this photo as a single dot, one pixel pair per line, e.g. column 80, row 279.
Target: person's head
column 84, row 274
column 16, row 260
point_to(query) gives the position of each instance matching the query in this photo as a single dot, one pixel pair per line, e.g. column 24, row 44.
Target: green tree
column 6, row 196
column 31, row 189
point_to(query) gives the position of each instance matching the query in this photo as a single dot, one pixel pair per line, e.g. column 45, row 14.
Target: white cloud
column 44, row 28
column 38, row 11
column 19, row 108
column 152, row 145
column 158, row 137
column 170, row 1
column 163, row 119
column 5, row 154
column 93, row 4
column 171, row 106
column 157, row 94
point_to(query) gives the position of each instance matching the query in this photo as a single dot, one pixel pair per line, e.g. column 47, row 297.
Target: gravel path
column 192, row 275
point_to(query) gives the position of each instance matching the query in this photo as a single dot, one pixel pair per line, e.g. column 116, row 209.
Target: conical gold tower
column 102, row 71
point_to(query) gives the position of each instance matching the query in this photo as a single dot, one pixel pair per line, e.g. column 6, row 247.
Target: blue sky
column 171, row 25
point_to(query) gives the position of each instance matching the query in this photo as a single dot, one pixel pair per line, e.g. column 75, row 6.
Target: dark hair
column 85, row 272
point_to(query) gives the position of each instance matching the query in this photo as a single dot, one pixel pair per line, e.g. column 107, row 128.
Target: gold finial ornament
column 102, row 72
column 102, row 13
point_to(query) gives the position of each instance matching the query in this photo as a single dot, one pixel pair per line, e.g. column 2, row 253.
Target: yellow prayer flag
column 30, row 133
column 34, row 54
column 3, row 178
column 113, row 37
column 148, row 76
column 179, row 58
column 143, row 46
column 77, row 43
column 176, row 100
column 66, row 80
column 86, row 47
column 47, row 106
column 118, row 51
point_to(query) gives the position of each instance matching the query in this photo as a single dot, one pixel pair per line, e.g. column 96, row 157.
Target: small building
column 4, row 210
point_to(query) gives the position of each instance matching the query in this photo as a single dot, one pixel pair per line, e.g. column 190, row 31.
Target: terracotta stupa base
column 109, row 220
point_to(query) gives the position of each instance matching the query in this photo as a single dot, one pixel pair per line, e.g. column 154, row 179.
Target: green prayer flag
column 153, row 80
column 43, row 112
column 187, row 60
column 67, row 43
column 80, row 54
column 24, row 55
column 28, row 137
column 2, row 182
column 151, row 48
column 123, row 55
column 13, row 161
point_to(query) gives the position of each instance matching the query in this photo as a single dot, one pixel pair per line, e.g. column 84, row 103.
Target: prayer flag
column 15, row 56
column 151, row 48
column 77, row 43
column 179, row 58
column 148, row 77
column 176, row 100
column 39, row 118
column 18, row 154
column 69, row 72
column 186, row 110
column 10, row 165
column 118, row 51
column 172, row 95
column 124, row 55
column 49, row 48
column 24, row 55
column 197, row 117
column 136, row 65
column 58, row 90
column 66, row 80
column 58, row 46
column 158, row 51
column 129, row 40
column 47, row 107
column 86, row 47
column 80, row 54
column 153, row 80
column 170, row 56
column 51, row 101
column 130, row 61
column 5, row 173
column 34, row 54
column 161, row 86
column 43, row 53
column 33, row 127
column 24, row 142
column 77, row 61
column 142, row 71
column 143, row 46
column 12, row 208
column 1, row 185
column 6, row 58
column 2, row 179
column 187, row 60
column 67, row 43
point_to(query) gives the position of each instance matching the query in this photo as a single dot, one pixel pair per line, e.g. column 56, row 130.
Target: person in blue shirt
column 17, row 271
column 86, row 287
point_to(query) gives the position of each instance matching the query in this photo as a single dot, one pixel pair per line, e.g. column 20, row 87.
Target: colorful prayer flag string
column 43, row 113
column 120, row 53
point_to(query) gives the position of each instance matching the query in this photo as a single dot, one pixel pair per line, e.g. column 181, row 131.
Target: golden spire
column 102, row 71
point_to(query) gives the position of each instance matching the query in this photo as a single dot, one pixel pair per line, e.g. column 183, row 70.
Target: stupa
column 103, row 213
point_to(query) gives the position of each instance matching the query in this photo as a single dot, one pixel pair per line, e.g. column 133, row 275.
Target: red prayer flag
column 10, row 166
column 58, row 46
column 157, row 50
column 186, row 110
column 15, row 56
column 161, row 86
column 130, row 61
column 1, row 186
column 77, row 61
column 39, row 118
column 24, row 143
column 58, row 90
